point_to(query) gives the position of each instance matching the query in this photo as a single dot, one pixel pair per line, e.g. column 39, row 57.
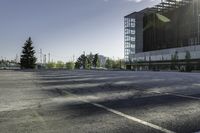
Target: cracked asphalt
column 81, row 101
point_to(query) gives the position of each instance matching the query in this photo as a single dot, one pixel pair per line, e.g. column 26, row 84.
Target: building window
column 129, row 39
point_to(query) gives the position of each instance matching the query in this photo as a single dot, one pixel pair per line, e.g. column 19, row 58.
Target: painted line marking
column 185, row 96
column 123, row 114
column 178, row 95
column 196, row 84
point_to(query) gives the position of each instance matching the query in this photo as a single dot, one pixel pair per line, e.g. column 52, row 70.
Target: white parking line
column 123, row 115
column 185, row 96
column 196, row 84
column 177, row 95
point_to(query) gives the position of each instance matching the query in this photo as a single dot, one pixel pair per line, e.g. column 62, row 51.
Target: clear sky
column 66, row 27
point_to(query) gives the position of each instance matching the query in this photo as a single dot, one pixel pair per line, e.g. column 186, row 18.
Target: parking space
column 100, row 101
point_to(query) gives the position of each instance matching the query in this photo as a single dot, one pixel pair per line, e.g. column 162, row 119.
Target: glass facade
column 181, row 29
column 129, row 38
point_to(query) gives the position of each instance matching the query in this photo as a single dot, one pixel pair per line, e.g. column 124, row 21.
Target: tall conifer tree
column 28, row 59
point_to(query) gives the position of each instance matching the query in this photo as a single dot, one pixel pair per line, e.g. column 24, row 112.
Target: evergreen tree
column 77, row 65
column 81, row 62
column 96, row 62
column 90, row 60
column 28, row 59
column 87, row 64
column 109, row 63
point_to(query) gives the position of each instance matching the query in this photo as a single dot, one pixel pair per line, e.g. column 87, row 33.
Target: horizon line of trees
column 91, row 61
column 87, row 62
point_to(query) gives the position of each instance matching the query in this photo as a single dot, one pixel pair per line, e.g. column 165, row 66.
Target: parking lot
column 84, row 101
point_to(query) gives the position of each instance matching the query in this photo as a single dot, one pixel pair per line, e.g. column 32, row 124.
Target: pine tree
column 96, row 61
column 81, row 62
column 90, row 60
column 28, row 59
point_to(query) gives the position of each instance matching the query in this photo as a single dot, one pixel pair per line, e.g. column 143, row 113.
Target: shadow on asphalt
column 134, row 106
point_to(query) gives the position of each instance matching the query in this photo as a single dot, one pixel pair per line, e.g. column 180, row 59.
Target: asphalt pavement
column 81, row 101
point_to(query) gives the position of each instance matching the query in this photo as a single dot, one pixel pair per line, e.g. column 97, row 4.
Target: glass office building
column 172, row 25
column 154, row 35
column 133, row 35
column 129, row 36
